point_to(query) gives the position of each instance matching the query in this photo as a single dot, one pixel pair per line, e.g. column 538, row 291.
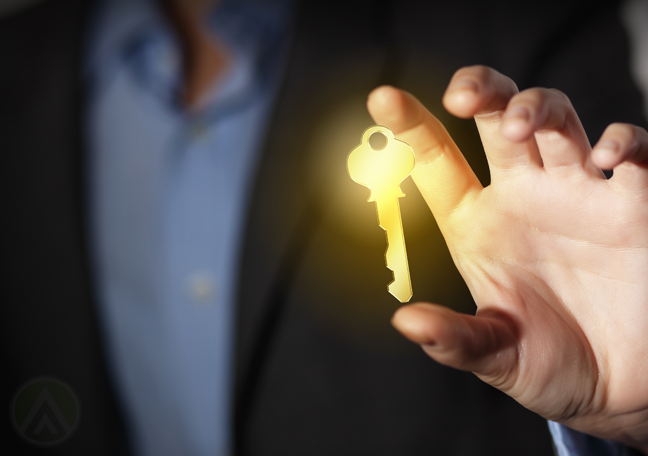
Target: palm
column 563, row 259
column 554, row 254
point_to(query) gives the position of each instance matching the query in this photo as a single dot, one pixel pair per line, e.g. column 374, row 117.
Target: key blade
column 401, row 290
column 396, row 255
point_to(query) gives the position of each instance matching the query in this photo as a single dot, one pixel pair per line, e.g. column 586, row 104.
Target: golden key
column 382, row 171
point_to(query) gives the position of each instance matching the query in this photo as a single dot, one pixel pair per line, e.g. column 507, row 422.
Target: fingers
column 484, row 94
column 624, row 148
column 560, row 136
column 484, row 344
column 442, row 174
column 533, row 128
column 478, row 91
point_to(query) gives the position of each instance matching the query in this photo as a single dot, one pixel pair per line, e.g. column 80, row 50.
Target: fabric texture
column 168, row 191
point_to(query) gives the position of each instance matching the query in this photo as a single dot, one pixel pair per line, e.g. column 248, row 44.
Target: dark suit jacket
column 319, row 369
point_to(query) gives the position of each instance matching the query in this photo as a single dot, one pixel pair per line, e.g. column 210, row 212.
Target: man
column 318, row 369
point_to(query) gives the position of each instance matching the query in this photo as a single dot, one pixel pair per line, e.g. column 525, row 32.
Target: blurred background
column 635, row 18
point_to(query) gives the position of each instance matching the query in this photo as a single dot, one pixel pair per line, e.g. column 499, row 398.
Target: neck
column 205, row 60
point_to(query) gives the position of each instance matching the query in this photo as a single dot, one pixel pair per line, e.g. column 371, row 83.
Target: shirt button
column 199, row 129
column 201, row 287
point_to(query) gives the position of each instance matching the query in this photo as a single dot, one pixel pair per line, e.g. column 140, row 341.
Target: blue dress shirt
column 569, row 442
column 168, row 191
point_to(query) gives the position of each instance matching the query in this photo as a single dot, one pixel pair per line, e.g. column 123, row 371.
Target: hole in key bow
column 377, row 141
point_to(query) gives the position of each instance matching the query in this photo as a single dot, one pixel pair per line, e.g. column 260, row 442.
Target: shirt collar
column 136, row 33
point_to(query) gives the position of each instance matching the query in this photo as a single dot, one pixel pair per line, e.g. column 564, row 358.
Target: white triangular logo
column 39, row 411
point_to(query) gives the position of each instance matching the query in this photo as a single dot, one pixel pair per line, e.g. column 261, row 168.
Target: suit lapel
column 49, row 321
column 275, row 215
column 323, row 77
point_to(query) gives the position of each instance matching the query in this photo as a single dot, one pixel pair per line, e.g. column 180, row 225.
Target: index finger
column 442, row 174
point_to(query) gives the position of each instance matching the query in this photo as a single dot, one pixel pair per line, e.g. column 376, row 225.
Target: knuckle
column 533, row 99
column 481, row 73
column 550, row 96
column 533, row 96
column 494, row 82
column 551, row 105
column 641, row 135
column 477, row 70
column 559, row 97
column 642, row 131
column 642, row 140
column 624, row 132
column 558, row 94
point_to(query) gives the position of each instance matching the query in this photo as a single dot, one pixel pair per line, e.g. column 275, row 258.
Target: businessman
column 186, row 251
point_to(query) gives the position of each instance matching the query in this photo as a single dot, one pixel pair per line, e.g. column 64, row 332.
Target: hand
column 555, row 255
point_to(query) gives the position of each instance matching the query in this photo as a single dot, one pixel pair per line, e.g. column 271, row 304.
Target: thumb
column 486, row 344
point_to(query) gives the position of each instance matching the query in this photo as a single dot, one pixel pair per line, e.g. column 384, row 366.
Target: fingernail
column 607, row 146
column 515, row 124
column 517, row 113
column 466, row 84
column 606, row 150
column 606, row 153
